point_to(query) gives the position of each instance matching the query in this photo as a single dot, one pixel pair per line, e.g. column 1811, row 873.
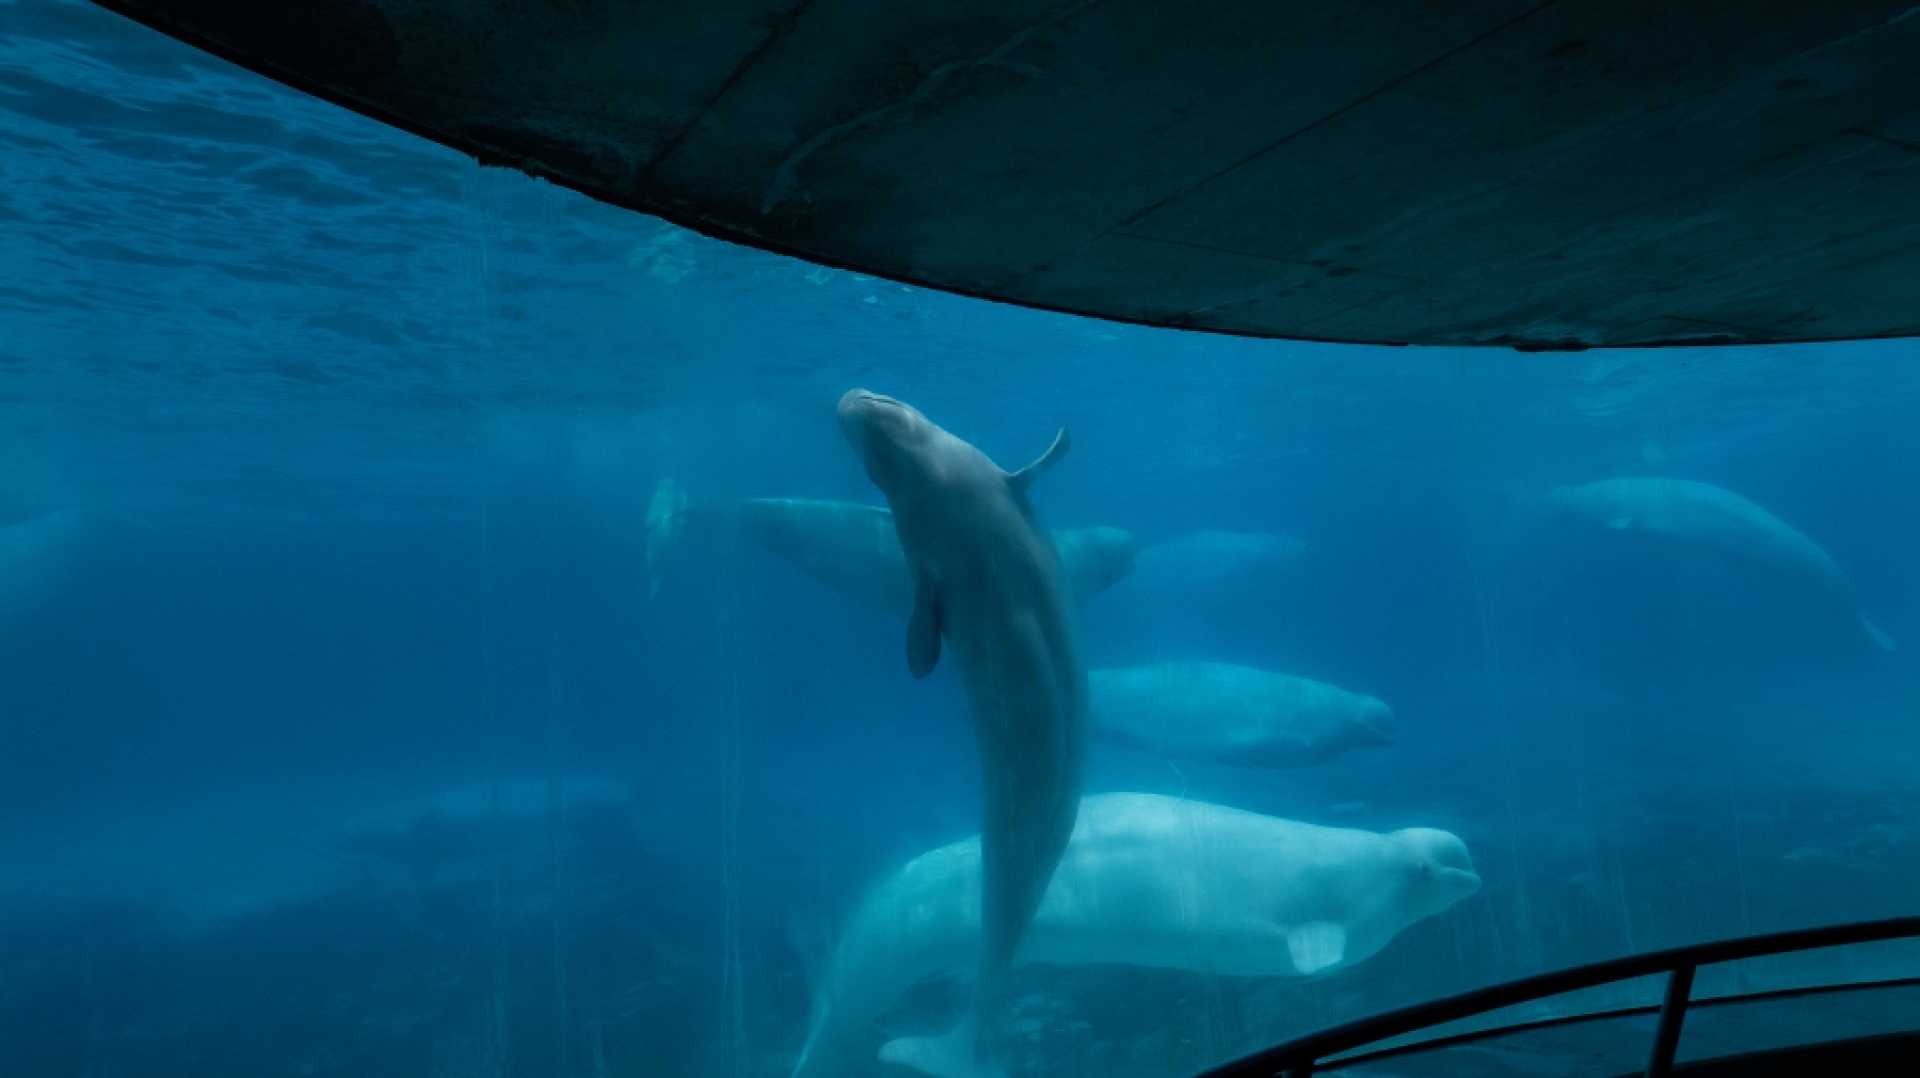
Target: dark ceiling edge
column 490, row 157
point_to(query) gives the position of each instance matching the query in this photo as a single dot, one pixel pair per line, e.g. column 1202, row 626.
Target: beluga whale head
column 1438, row 871
column 1374, row 724
column 1097, row 558
column 887, row 434
column 1604, row 504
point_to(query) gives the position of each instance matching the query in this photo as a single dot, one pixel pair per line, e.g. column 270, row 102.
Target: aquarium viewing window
column 1353, row 1045
column 574, row 540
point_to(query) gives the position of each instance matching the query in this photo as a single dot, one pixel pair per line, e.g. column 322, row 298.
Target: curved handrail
column 1454, row 1040
column 1300, row 1056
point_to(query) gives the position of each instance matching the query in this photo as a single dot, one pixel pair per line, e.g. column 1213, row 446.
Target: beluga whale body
column 852, row 548
column 1147, row 881
column 1213, row 558
column 1703, row 515
column 988, row 582
column 1226, row 713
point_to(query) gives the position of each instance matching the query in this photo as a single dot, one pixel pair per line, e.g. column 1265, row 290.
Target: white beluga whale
column 1094, row 559
column 1210, row 557
column 1225, row 713
column 987, row 582
column 851, row 547
column 1701, row 514
column 1147, row 880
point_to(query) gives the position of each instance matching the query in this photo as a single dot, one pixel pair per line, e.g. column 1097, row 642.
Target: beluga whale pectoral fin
column 1024, row 478
column 1316, row 945
column 923, row 631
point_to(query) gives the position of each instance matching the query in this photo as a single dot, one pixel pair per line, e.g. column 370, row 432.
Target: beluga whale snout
column 1443, row 871
column 880, row 429
column 853, row 411
column 855, row 402
column 1377, row 724
column 987, row 582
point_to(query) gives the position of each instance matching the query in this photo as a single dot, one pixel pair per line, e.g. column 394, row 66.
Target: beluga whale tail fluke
column 989, row 583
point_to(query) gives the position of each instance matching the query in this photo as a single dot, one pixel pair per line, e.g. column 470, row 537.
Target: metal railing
column 1304, row 1056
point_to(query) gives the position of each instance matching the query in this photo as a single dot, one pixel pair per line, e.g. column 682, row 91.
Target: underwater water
column 394, row 680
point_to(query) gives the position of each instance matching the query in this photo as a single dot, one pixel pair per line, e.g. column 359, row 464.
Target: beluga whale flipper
column 987, row 582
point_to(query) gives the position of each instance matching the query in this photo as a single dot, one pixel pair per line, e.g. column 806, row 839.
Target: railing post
column 1673, row 1009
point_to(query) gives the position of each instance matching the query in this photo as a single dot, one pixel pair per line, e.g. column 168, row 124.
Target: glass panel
column 1637, row 992
column 1753, row 1027
column 1620, row 1045
column 1884, row 960
column 447, row 629
column 1613, row 1046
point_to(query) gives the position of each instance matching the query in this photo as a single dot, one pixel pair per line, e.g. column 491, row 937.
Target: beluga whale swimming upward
column 987, row 581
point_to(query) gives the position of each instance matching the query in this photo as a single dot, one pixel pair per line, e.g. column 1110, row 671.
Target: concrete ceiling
column 1511, row 172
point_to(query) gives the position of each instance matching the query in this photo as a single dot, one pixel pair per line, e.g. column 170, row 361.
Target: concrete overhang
column 1534, row 174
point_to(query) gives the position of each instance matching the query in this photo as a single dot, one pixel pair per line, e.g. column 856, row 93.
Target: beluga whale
column 850, row 547
column 1690, row 512
column 987, row 582
column 1147, row 881
column 1214, row 558
column 1226, row 713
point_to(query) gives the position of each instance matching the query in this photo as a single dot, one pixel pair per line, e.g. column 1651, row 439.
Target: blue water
column 340, row 733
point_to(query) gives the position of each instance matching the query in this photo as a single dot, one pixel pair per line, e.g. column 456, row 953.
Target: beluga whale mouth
column 1464, row 881
column 853, row 400
column 856, row 408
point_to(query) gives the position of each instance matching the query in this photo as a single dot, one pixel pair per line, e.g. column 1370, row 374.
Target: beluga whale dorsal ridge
column 988, row 583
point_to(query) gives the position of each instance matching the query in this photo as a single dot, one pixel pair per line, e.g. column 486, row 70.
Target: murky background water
column 344, row 730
